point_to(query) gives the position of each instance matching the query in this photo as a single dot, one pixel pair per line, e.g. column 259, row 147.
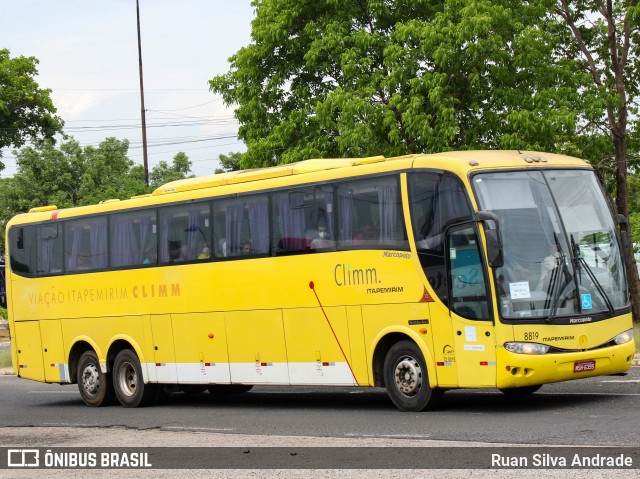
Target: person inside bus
column 206, row 252
column 322, row 241
column 364, row 235
column 245, row 248
column 176, row 250
column 150, row 255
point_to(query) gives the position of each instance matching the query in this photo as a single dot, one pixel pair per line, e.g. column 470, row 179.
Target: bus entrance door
column 475, row 349
column 473, row 331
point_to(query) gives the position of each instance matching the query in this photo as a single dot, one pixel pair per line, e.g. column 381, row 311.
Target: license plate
column 583, row 366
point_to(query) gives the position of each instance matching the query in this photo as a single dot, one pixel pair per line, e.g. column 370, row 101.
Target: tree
column 69, row 176
column 26, row 110
column 163, row 173
column 603, row 40
column 328, row 78
column 107, row 173
column 230, row 162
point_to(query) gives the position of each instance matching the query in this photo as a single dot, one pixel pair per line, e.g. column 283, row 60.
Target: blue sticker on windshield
column 586, row 301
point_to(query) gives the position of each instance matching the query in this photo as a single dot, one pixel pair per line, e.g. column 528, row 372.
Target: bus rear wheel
column 95, row 386
column 128, row 382
column 406, row 378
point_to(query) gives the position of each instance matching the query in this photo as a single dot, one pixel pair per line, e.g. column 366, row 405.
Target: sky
column 88, row 57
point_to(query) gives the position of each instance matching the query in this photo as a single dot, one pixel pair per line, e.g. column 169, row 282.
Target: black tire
column 229, row 389
column 520, row 392
column 95, row 386
column 406, row 378
column 128, row 382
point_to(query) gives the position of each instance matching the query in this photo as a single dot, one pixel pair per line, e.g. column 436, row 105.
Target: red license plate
column 583, row 366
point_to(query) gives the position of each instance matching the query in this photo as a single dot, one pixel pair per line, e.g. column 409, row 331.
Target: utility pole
column 144, row 121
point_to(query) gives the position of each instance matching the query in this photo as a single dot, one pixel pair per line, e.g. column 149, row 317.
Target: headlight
column 624, row 337
column 526, row 348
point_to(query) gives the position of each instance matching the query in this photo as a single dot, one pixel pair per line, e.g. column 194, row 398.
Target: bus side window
column 242, row 226
column 436, row 201
column 22, row 250
column 50, row 249
column 466, row 273
column 85, row 245
column 185, row 233
column 290, row 224
column 370, row 214
column 133, row 238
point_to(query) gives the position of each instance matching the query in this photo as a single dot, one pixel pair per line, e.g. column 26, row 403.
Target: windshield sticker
column 470, row 333
column 519, row 290
column 586, row 301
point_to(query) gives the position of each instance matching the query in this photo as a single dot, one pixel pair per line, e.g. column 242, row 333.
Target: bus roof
column 448, row 160
column 459, row 162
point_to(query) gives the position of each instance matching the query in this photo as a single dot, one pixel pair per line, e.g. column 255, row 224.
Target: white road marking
column 192, row 429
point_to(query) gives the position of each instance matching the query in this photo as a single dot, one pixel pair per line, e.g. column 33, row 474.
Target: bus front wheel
column 95, row 386
column 128, row 382
column 406, row 378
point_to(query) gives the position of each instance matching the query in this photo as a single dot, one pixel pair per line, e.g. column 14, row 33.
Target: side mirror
column 494, row 239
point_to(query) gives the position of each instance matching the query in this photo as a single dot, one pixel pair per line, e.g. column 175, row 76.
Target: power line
column 195, row 106
column 127, row 89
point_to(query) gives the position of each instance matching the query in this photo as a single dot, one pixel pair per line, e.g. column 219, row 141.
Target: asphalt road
column 599, row 411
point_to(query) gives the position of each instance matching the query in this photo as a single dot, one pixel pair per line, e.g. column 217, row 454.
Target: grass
column 5, row 358
column 636, row 335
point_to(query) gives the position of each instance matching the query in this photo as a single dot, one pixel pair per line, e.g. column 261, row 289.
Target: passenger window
column 185, row 233
column 133, row 238
column 241, row 226
column 85, row 244
column 304, row 220
column 50, row 249
column 436, row 201
column 370, row 214
column 23, row 250
column 466, row 272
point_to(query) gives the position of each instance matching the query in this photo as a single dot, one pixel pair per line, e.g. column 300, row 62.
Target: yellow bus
column 422, row 273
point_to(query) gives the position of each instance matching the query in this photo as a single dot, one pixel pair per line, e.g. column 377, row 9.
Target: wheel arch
column 80, row 346
column 120, row 344
column 385, row 340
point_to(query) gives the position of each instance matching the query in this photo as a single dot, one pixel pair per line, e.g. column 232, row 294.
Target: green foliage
column 5, row 358
column 164, row 173
column 69, row 176
column 634, row 221
column 327, row 78
column 26, row 110
column 230, row 162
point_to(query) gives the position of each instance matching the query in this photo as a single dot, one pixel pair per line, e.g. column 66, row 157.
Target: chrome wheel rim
column 127, row 379
column 91, row 379
column 407, row 376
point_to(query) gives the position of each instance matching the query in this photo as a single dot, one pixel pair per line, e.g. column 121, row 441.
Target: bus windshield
column 561, row 255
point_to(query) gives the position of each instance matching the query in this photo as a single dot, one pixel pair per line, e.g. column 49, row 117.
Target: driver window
column 467, row 279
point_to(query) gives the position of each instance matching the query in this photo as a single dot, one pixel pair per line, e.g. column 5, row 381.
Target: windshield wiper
column 580, row 263
column 553, row 291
